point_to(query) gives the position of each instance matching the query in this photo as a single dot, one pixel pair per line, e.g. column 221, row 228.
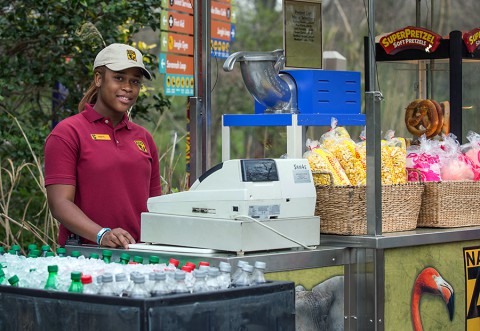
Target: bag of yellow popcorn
column 323, row 163
column 344, row 151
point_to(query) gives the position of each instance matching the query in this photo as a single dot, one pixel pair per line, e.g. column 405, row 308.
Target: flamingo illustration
column 430, row 281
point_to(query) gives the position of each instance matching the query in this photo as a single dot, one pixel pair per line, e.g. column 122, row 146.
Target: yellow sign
column 471, row 257
column 98, row 136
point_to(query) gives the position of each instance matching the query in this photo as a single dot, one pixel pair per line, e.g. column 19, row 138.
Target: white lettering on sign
column 223, row 32
column 180, row 45
column 176, row 65
column 179, row 23
column 183, row 3
column 218, row 11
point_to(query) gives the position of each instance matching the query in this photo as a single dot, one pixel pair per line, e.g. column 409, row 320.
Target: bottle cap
column 75, row 254
column 61, row 251
column 200, row 273
column 179, row 275
column 107, row 252
column 16, row 248
column 186, row 268
column 94, row 256
column 107, row 278
column 203, row 263
column 139, row 278
column 45, row 248
column 120, row 277
column 14, row 279
column 154, row 259
column 191, row 264
column 76, row 275
column 225, row 267
column 48, row 254
column 138, row 259
column 52, row 268
column 86, row 279
column 247, row 268
column 241, row 263
column 175, row 262
column 125, row 256
column 160, row 276
column 31, row 247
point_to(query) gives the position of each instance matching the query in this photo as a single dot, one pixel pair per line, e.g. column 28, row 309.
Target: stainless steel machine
column 239, row 205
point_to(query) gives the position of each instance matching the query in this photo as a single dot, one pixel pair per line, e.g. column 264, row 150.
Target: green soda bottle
column 76, row 285
column 153, row 259
column 52, row 283
column 2, row 277
column 124, row 258
column 31, row 248
column 106, row 255
column 45, row 250
column 16, row 249
column 61, row 252
column 138, row 259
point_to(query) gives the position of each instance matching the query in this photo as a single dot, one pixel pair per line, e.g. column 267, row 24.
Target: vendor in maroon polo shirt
column 100, row 168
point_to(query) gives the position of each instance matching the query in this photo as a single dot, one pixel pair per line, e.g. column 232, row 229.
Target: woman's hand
column 117, row 237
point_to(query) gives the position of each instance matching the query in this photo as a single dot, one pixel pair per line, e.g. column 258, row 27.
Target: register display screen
column 259, row 170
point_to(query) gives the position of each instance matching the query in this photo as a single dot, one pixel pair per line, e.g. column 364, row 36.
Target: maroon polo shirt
column 114, row 169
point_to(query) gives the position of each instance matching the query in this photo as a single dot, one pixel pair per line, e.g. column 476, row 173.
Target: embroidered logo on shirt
column 131, row 55
column 98, row 136
column 141, row 146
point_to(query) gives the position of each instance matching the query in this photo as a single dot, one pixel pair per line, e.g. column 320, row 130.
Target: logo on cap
column 131, row 55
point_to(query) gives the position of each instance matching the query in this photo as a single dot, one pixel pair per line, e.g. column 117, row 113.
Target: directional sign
column 178, row 85
column 176, row 22
column 175, row 64
column 178, row 5
column 221, row 11
column 176, row 43
column 220, row 48
column 220, row 30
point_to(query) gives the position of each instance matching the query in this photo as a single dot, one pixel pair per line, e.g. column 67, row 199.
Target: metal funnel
column 260, row 72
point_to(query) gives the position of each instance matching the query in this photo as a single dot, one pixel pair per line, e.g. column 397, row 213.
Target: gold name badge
column 97, row 136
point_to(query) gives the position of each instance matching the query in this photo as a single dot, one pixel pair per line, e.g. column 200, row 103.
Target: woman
column 100, row 168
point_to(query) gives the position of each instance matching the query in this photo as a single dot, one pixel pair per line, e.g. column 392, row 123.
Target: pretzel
column 421, row 117
column 440, row 119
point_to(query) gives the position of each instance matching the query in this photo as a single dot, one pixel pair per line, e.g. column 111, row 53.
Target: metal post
column 206, row 82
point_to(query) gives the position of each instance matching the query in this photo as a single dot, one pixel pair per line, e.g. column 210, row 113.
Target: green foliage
column 48, row 48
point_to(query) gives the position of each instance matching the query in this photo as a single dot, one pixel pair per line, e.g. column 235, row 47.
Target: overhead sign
column 472, row 39
column 178, row 5
column 176, row 22
column 176, row 43
column 410, row 37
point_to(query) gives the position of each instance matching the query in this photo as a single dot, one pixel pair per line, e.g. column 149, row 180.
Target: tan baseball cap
column 118, row 57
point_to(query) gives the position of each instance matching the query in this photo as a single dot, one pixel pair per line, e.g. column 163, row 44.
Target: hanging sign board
column 303, row 33
column 410, row 37
column 472, row 39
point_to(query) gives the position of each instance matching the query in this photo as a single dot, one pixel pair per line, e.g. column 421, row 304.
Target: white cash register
column 239, row 205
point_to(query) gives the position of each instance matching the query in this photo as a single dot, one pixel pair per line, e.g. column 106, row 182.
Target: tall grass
column 28, row 226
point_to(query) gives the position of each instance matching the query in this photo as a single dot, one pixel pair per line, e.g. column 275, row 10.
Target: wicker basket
column 343, row 210
column 450, row 204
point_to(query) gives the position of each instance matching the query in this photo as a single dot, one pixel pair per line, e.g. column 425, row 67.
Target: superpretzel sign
column 410, row 37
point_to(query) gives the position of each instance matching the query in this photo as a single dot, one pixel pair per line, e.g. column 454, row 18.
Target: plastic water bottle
column 212, row 279
column 200, row 284
column 160, row 287
column 224, row 280
column 121, row 284
column 139, row 291
column 76, row 285
column 52, row 282
column 258, row 275
column 14, row 281
column 88, row 286
column 239, row 270
column 180, row 286
column 150, row 281
column 245, row 278
column 124, row 258
column 107, row 285
column 106, row 255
